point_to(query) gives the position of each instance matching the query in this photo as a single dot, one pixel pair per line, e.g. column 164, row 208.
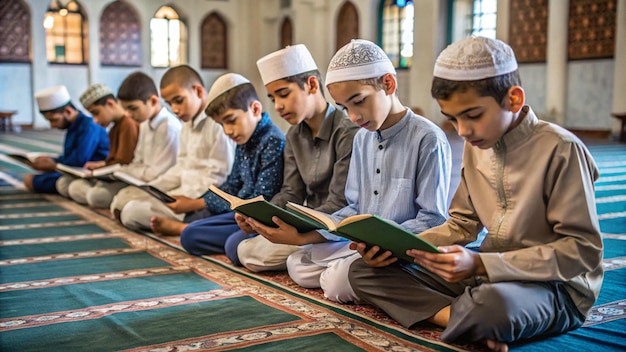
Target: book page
column 353, row 218
column 105, row 170
column 234, row 200
column 318, row 216
column 128, row 179
column 74, row 170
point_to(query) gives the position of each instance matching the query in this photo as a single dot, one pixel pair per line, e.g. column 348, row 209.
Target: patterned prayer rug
column 73, row 279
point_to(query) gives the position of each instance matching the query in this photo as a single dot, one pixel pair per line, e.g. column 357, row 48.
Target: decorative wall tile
column 528, row 30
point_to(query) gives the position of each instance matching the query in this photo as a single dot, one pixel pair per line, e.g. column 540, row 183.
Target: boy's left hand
column 373, row 256
column 284, row 233
column 185, row 204
column 90, row 165
column 453, row 264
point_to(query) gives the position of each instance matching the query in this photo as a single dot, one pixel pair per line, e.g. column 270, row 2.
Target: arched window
column 168, row 38
column 66, row 33
column 120, row 35
column 15, row 34
column 286, row 33
column 347, row 24
column 214, row 42
column 484, row 18
column 397, row 31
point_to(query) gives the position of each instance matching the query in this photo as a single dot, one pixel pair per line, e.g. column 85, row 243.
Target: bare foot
column 496, row 345
column 166, row 226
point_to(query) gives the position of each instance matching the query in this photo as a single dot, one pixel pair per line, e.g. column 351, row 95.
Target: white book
column 104, row 172
column 30, row 157
column 151, row 190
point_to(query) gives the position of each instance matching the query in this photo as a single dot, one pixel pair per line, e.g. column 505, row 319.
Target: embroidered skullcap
column 290, row 61
column 359, row 59
column 94, row 93
column 52, row 98
column 475, row 58
column 225, row 83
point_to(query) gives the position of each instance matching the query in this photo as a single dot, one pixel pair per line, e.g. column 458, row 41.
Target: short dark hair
column 238, row 98
column 496, row 87
column 103, row 101
column 301, row 78
column 183, row 75
column 137, row 86
column 60, row 109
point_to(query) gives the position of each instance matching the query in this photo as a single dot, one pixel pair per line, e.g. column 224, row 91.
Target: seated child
column 99, row 100
column 400, row 169
column 530, row 182
column 84, row 141
column 159, row 132
column 317, row 152
column 258, row 167
column 205, row 156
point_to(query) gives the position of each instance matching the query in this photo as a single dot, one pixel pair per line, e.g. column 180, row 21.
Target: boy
column 159, row 132
column 317, row 152
column 85, row 140
column 99, row 100
column 205, row 155
column 258, row 167
column 400, row 168
column 539, row 269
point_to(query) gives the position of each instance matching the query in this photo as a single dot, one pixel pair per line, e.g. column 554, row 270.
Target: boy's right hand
column 372, row 256
column 243, row 225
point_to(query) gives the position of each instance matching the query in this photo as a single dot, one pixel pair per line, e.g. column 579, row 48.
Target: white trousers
column 259, row 254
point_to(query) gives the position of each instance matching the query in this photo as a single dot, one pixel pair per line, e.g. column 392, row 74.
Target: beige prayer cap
column 52, row 98
column 290, row 61
column 475, row 58
column 359, row 59
column 225, row 83
column 94, row 93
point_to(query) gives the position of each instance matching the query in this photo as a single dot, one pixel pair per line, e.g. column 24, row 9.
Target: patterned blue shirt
column 84, row 141
column 257, row 169
column 400, row 174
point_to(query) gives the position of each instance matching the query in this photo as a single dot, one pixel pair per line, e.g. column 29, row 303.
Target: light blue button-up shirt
column 400, row 174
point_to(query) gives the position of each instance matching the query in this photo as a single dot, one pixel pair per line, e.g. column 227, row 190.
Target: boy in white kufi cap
column 400, row 167
column 99, row 100
column 530, row 183
column 84, row 141
column 317, row 153
column 233, row 103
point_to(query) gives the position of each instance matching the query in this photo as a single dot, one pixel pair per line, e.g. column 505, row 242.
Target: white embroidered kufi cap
column 52, row 98
column 475, row 58
column 225, row 83
column 94, row 93
column 290, row 61
column 359, row 59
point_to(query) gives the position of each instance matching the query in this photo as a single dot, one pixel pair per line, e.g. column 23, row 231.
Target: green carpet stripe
column 614, row 248
column 12, row 191
column 319, row 342
column 17, row 168
column 615, row 207
column 134, row 329
column 6, row 235
column 84, row 295
column 617, row 226
column 339, row 310
column 33, row 210
column 29, row 147
column 37, row 250
column 39, row 220
column 13, row 201
column 78, row 266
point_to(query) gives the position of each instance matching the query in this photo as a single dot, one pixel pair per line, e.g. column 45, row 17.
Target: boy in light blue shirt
column 400, row 169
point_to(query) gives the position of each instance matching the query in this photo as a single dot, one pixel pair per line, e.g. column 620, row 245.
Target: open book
column 263, row 211
column 29, row 158
column 104, row 173
column 370, row 229
column 151, row 190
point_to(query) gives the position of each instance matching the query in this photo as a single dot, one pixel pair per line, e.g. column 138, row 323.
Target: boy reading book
column 317, row 151
column 234, row 104
column 99, row 100
column 84, row 141
column 539, row 269
column 400, row 169
column 205, row 155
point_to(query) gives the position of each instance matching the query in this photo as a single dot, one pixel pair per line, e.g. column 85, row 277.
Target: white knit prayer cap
column 94, row 93
column 475, row 58
column 52, row 98
column 359, row 59
column 287, row 62
column 225, row 83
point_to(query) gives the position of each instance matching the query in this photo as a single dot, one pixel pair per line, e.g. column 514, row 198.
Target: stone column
column 556, row 61
column 619, row 74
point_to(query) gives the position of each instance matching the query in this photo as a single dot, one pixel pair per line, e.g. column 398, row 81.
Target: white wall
column 254, row 31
